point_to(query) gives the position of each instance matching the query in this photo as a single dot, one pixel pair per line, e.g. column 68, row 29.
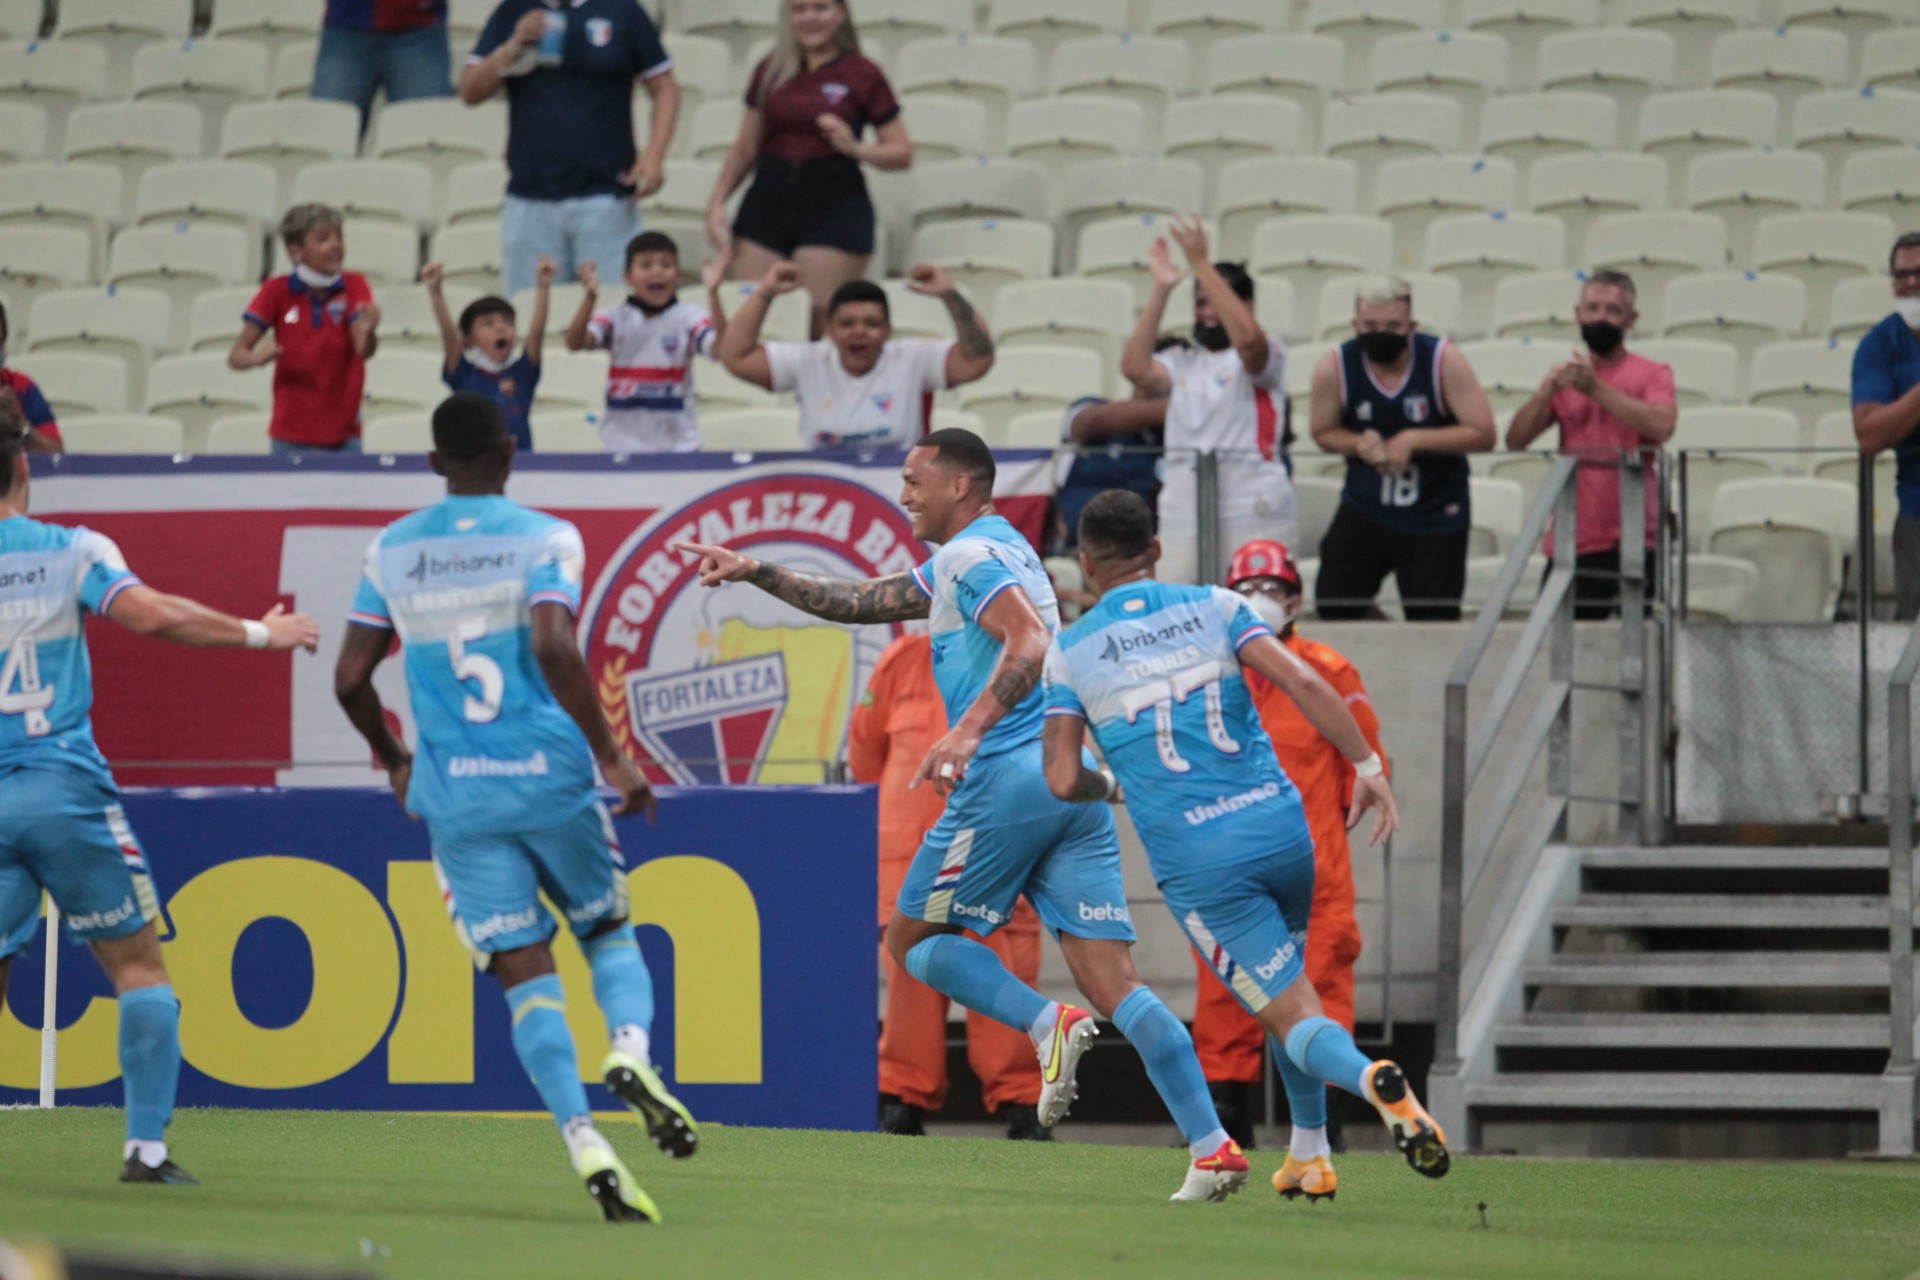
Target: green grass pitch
column 482, row 1197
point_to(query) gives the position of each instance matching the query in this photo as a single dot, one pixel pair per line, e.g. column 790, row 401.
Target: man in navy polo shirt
column 1886, row 409
column 573, row 170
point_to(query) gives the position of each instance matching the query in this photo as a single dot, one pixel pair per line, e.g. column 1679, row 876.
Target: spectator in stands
column 573, row 172
column 1227, row 1038
column 43, row 433
column 323, row 321
column 653, row 337
column 1118, row 448
column 1405, row 408
column 479, row 352
column 1604, row 402
column 1886, row 409
column 399, row 46
column 898, row 720
column 808, row 104
column 859, row 387
column 1224, row 396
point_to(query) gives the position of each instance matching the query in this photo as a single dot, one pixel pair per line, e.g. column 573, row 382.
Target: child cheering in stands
column 479, row 353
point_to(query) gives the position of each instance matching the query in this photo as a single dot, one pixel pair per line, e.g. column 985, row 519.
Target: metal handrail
column 1896, row 1128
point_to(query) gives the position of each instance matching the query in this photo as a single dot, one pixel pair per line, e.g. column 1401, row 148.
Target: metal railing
column 1897, row 1083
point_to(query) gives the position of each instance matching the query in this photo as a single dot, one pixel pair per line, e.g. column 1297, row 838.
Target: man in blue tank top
column 992, row 614
column 1405, row 408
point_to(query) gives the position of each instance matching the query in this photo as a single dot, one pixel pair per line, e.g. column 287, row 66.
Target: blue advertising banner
column 316, row 967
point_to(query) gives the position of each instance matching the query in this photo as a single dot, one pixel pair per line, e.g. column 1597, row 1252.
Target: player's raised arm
column 1010, row 618
column 155, row 613
column 891, row 599
column 1326, row 711
column 558, row 654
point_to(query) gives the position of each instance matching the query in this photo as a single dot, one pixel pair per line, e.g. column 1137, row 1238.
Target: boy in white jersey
column 653, row 337
column 992, row 611
column 61, row 824
column 1154, row 670
column 483, row 594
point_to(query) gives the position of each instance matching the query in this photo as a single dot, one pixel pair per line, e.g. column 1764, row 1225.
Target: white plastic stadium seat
column 1627, row 65
column 702, row 66
column 393, row 191
column 475, row 192
column 401, row 380
column 1523, row 24
column 1734, row 442
column 945, row 127
column 1885, row 180
column 178, row 260
column 1857, row 20
column 1656, row 248
column 1249, row 192
column 1510, row 369
column 1682, row 127
column 985, row 254
column 1202, row 24
column 1704, row 372
column 406, row 317
column 1480, row 250
column 1218, row 131
column 567, row 430
column 1857, row 305
column 382, row 252
column 1891, row 60
column 208, row 75
column 84, row 196
column 1047, row 24
column 993, row 71
column 891, row 24
column 1305, row 70
column 1147, row 70
column 234, row 193
column 1529, row 127
column 1123, row 188
column 214, row 319
column 1467, row 67
column 1839, row 122
column 405, row 431
column 1090, row 313
column 574, row 381
column 128, row 324
column 1722, row 589
column 712, row 128
column 1743, row 187
column 132, row 136
column 237, row 433
column 1498, row 507
column 1744, row 308
column 1526, row 468
column 121, row 433
column 440, row 133
column 1808, row 377
column 1373, row 128
column 1359, row 25
column 1537, row 305
column 1693, row 24
column 1026, row 379
column 38, row 259
column 118, row 29
column 739, row 24
column 289, row 134
column 272, row 23
column 22, row 19
column 915, row 315
column 470, row 252
column 973, row 189
column 1786, row 63
column 1436, row 305
column 1822, row 249
column 771, row 430
column 1411, row 193
column 1057, row 132
column 1316, row 499
column 80, row 381
column 1309, row 249
column 1578, row 189
column 23, row 132
column 1797, row 532
column 292, row 75
column 787, row 316
column 52, row 76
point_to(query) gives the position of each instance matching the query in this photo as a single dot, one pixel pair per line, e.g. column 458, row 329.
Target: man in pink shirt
column 1604, row 403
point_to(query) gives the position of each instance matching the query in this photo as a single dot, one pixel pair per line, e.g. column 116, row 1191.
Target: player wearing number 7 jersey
column 1154, row 670
column 482, row 593
column 61, row 825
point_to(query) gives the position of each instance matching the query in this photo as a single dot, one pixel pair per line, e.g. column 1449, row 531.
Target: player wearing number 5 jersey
column 61, row 825
column 1155, row 671
column 1405, row 408
column 483, row 593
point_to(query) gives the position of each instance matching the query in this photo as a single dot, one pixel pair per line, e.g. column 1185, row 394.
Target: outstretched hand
column 717, row 564
column 1375, row 794
column 1191, row 235
column 290, row 630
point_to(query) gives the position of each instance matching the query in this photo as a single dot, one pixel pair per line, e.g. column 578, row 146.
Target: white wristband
column 1113, row 783
column 256, row 633
column 1370, row 767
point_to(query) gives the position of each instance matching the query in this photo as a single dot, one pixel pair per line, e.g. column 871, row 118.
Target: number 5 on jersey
column 477, row 666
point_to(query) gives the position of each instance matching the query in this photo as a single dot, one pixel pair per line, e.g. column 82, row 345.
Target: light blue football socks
column 623, row 988
column 972, row 974
column 149, row 1060
column 545, row 1046
column 1167, row 1049
column 1324, row 1049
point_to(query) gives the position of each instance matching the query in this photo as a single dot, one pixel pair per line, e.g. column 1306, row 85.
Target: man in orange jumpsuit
column 1229, row 1041
column 898, row 719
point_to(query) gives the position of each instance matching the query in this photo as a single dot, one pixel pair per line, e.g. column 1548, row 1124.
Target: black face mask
column 1211, row 336
column 1602, row 338
column 1383, row 348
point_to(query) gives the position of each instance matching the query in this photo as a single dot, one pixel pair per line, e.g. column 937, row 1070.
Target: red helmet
column 1263, row 558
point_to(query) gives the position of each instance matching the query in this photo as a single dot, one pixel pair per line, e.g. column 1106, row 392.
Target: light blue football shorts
column 64, row 831
column 1249, row 920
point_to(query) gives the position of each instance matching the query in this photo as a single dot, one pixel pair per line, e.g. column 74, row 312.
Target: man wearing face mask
column 1405, row 408
column 1225, row 396
column 1226, row 1037
column 1886, row 409
column 1604, row 402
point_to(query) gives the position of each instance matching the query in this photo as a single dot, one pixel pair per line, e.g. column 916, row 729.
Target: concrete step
column 1694, row 1031
column 1722, row 911
column 1735, row 857
column 1724, row 1091
column 1713, row 969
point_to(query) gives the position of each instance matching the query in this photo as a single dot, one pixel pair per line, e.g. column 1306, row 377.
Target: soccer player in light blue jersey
column 483, row 593
column 1154, row 670
column 61, row 824
column 992, row 613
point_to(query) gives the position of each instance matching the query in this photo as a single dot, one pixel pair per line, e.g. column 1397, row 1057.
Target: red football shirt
column 317, row 378
column 850, row 87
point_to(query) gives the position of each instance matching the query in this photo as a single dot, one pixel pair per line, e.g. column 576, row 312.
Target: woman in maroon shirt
column 807, row 105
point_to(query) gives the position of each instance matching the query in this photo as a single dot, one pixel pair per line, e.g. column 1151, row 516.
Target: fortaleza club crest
column 731, row 685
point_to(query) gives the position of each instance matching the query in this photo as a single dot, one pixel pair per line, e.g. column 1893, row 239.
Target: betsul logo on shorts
column 732, row 685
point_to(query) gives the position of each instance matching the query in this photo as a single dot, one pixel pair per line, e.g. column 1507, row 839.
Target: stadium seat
column 1655, row 248
column 1809, row 377
column 1359, row 25
column 108, row 433
column 1885, row 180
column 1722, row 589
column 77, row 382
column 1090, row 313
column 1101, row 189
column 1498, row 506
column 38, row 259
column 1836, row 123
column 1681, row 127
column 232, row 193
column 132, row 136
column 1742, row 187
column 1047, row 24
column 397, row 432
column 769, row 430
column 382, row 252
column 986, row 253
column 127, row 324
column 398, row 381
column 87, row 197
column 22, row 19
column 1412, row 192
column 1704, row 372
column 1538, row 305
column 1218, row 131
column 946, row 126
column 237, row 433
column 1022, row 431
column 702, row 67
column 1316, row 499
column 1057, row 132
column 566, row 431
column 738, row 24
column 1891, row 60
column 271, row 23
column 475, row 192
column 577, row 381
column 289, row 134
column 470, row 253
column 1311, row 248
column 1799, row 535
column 1693, row 25
column 1250, row 192
column 1305, row 70
column 1578, row 189
column 993, row 71
column 23, row 132
column 119, row 29
column 52, row 76
column 1202, row 24
column 406, row 317
column 1466, row 67
column 1149, row 71
column 1525, row 467
column 292, row 75
column 439, row 134
column 1785, row 63
column 208, row 75
column 179, row 259
column 915, row 315
column 389, row 191
column 1117, row 248
column 214, row 319
column 198, row 388
column 1857, row 305
column 1742, row 308
column 1836, row 448
column 973, row 189
column 787, row 316
column 1480, row 250
column 1529, row 127
column 1822, row 249
column 718, row 390
column 891, row 24
column 1523, row 24
column 1747, row 442
column 712, row 128
column 1854, row 19
column 1436, row 305
column 1371, row 129
column 1625, row 64
column 562, row 302
column 1510, row 369
column 1301, row 362
column 1027, row 379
